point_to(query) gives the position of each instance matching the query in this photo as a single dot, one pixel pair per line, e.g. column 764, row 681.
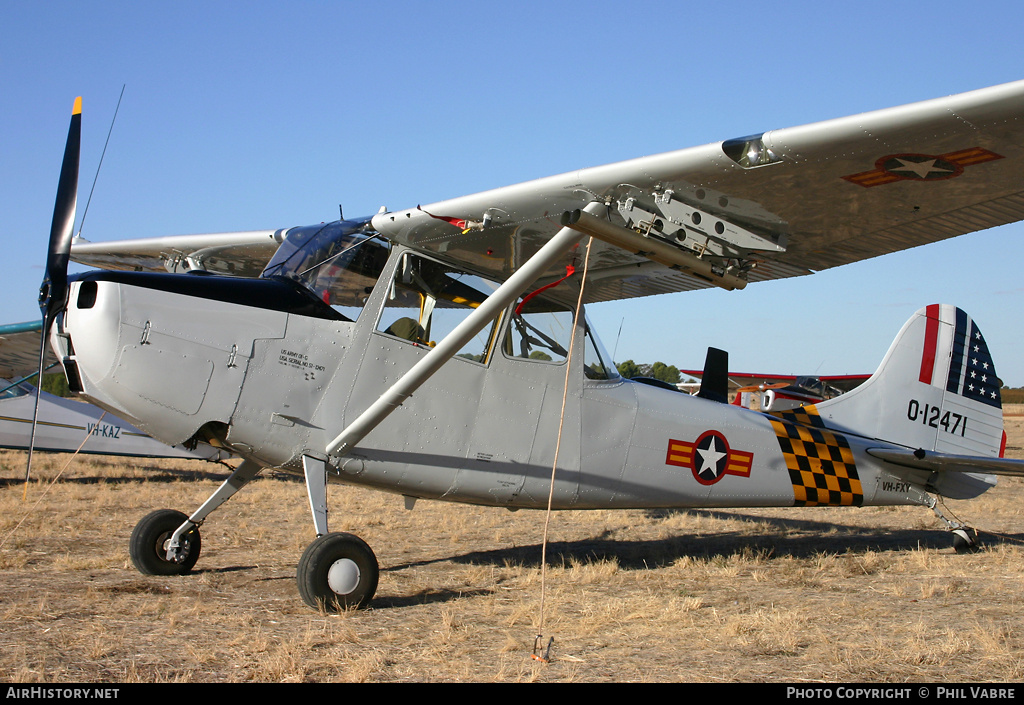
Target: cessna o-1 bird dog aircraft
column 426, row 351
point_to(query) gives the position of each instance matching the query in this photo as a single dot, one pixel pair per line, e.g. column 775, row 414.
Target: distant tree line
column 55, row 384
column 659, row 370
column 1012, row 395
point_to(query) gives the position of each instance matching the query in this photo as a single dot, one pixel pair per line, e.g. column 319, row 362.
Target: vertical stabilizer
column 936, row 389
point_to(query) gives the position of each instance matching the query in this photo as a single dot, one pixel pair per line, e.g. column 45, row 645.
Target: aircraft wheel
column 337, row 572
column 149, row 541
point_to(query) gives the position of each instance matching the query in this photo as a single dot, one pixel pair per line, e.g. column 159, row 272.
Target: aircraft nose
column 87, row 337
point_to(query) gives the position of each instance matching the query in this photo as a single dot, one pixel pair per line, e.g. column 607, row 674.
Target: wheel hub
column 178, row 556
column 343, row 576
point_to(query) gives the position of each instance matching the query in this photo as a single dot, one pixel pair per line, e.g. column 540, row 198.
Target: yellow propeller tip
column 77, row 110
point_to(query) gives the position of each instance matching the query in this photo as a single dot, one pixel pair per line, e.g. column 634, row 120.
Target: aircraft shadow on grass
column 820, row 537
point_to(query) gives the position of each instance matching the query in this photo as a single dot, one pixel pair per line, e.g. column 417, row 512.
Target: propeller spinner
column 54, row 289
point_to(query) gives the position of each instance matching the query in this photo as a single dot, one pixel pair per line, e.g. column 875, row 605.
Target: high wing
column 242, row 254
column 779, row 204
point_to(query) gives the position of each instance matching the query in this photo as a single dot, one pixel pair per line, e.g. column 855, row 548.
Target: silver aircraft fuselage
column 266, row 370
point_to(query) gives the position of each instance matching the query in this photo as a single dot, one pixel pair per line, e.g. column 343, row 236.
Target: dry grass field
column 773, row 595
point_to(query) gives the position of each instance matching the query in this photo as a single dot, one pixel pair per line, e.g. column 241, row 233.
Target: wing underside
column 242, row 254
column 19, row 350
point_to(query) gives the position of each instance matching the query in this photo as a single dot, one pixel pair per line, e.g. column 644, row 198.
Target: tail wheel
column 965, row 540
column 337, row 572
column 148, row 545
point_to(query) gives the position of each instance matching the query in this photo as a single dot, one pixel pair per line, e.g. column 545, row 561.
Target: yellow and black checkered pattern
column 820, row 462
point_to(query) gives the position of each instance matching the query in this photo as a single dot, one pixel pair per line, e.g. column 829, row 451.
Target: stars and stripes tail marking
column 968, row 369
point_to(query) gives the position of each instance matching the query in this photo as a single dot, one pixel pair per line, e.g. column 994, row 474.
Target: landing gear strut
column 167, row 542
column 337, row 571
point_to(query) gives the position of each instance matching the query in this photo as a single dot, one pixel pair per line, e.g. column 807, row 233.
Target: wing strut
column 504, row 295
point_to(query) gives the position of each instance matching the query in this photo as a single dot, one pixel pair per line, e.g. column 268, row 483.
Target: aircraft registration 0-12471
column 442, row 352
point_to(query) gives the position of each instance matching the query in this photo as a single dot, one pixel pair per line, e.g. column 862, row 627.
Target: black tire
column 351, row 583
column 152, row 533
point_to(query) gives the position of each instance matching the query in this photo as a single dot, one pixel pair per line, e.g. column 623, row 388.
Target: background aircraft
column 773, row 392
column 65, row 423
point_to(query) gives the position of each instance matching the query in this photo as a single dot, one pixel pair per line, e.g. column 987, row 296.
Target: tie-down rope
column 24, row 494
column 542, row 652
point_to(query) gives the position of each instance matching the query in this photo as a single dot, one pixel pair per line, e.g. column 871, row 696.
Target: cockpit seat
column 406, row 328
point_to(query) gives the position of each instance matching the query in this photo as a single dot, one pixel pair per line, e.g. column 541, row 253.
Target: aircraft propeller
column 54, row 290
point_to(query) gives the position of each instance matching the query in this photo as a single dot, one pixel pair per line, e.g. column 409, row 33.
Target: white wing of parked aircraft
column 242, row 254
column 777, row 204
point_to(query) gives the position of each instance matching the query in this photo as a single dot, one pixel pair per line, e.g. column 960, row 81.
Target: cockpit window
column 427, row 300
column 597, row 363
column 338, row 262
column 540, row 330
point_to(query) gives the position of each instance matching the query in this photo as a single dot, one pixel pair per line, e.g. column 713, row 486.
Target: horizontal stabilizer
column 950, row 462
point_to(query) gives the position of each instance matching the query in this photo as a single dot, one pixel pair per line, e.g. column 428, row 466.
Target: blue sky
column 247, row 115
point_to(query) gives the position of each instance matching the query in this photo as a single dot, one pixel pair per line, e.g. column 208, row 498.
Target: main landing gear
column 337, row 571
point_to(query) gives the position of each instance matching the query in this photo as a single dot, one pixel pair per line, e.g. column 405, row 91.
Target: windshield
column 597, row 363
column 338, row 262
